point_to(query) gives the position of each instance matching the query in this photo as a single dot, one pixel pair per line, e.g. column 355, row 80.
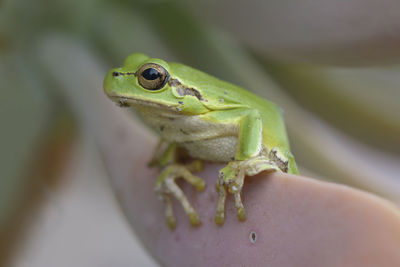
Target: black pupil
column 151, row 74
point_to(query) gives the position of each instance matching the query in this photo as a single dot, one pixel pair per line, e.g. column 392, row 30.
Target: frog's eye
column 152, row 76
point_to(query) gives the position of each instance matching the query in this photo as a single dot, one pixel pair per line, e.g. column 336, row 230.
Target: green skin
column 208, row 118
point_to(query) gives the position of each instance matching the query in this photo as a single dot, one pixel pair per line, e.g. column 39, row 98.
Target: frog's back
column 274, row 132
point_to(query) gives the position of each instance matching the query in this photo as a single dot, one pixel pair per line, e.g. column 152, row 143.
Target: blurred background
column 332, row 68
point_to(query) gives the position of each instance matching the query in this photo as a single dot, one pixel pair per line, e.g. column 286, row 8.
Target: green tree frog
column 206, row 118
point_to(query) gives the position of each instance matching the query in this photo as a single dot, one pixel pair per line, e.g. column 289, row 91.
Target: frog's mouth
column 123, row 101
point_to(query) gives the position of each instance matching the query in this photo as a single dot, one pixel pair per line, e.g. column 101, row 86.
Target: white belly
column 203, row 140
column 221, row 149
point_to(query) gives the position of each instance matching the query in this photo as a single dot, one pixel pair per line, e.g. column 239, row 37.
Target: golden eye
column 152, row 76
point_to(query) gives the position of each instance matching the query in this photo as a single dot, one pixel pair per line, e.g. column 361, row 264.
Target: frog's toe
column 241, row 214
column 220, row 214
column 198, row 183
column 186, row 173
column 166, row 188
column 194, row 219
column 169, row 213
column 240, row 211
column 219, row 218
column 195, row 166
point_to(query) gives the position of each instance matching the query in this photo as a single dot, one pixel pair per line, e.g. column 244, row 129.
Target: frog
column 205, row 119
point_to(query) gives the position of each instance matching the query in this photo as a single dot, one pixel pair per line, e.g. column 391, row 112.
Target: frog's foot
column 231, row 179
column 166, row 187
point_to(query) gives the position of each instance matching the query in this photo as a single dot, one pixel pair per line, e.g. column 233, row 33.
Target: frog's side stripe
column 183, row 90
column 275, row 156
column 117, row 73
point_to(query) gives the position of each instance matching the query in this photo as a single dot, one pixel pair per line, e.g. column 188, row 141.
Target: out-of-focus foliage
column 363, row 102
column 360, row 102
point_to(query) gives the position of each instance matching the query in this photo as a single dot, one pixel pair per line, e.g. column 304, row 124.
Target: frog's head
column 145, row 81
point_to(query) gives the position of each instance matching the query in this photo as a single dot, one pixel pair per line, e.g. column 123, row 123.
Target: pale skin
column 206, row 118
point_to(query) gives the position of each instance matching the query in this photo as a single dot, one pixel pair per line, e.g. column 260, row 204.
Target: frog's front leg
column 231, row 179
column 248, row 161
column 167, row 188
